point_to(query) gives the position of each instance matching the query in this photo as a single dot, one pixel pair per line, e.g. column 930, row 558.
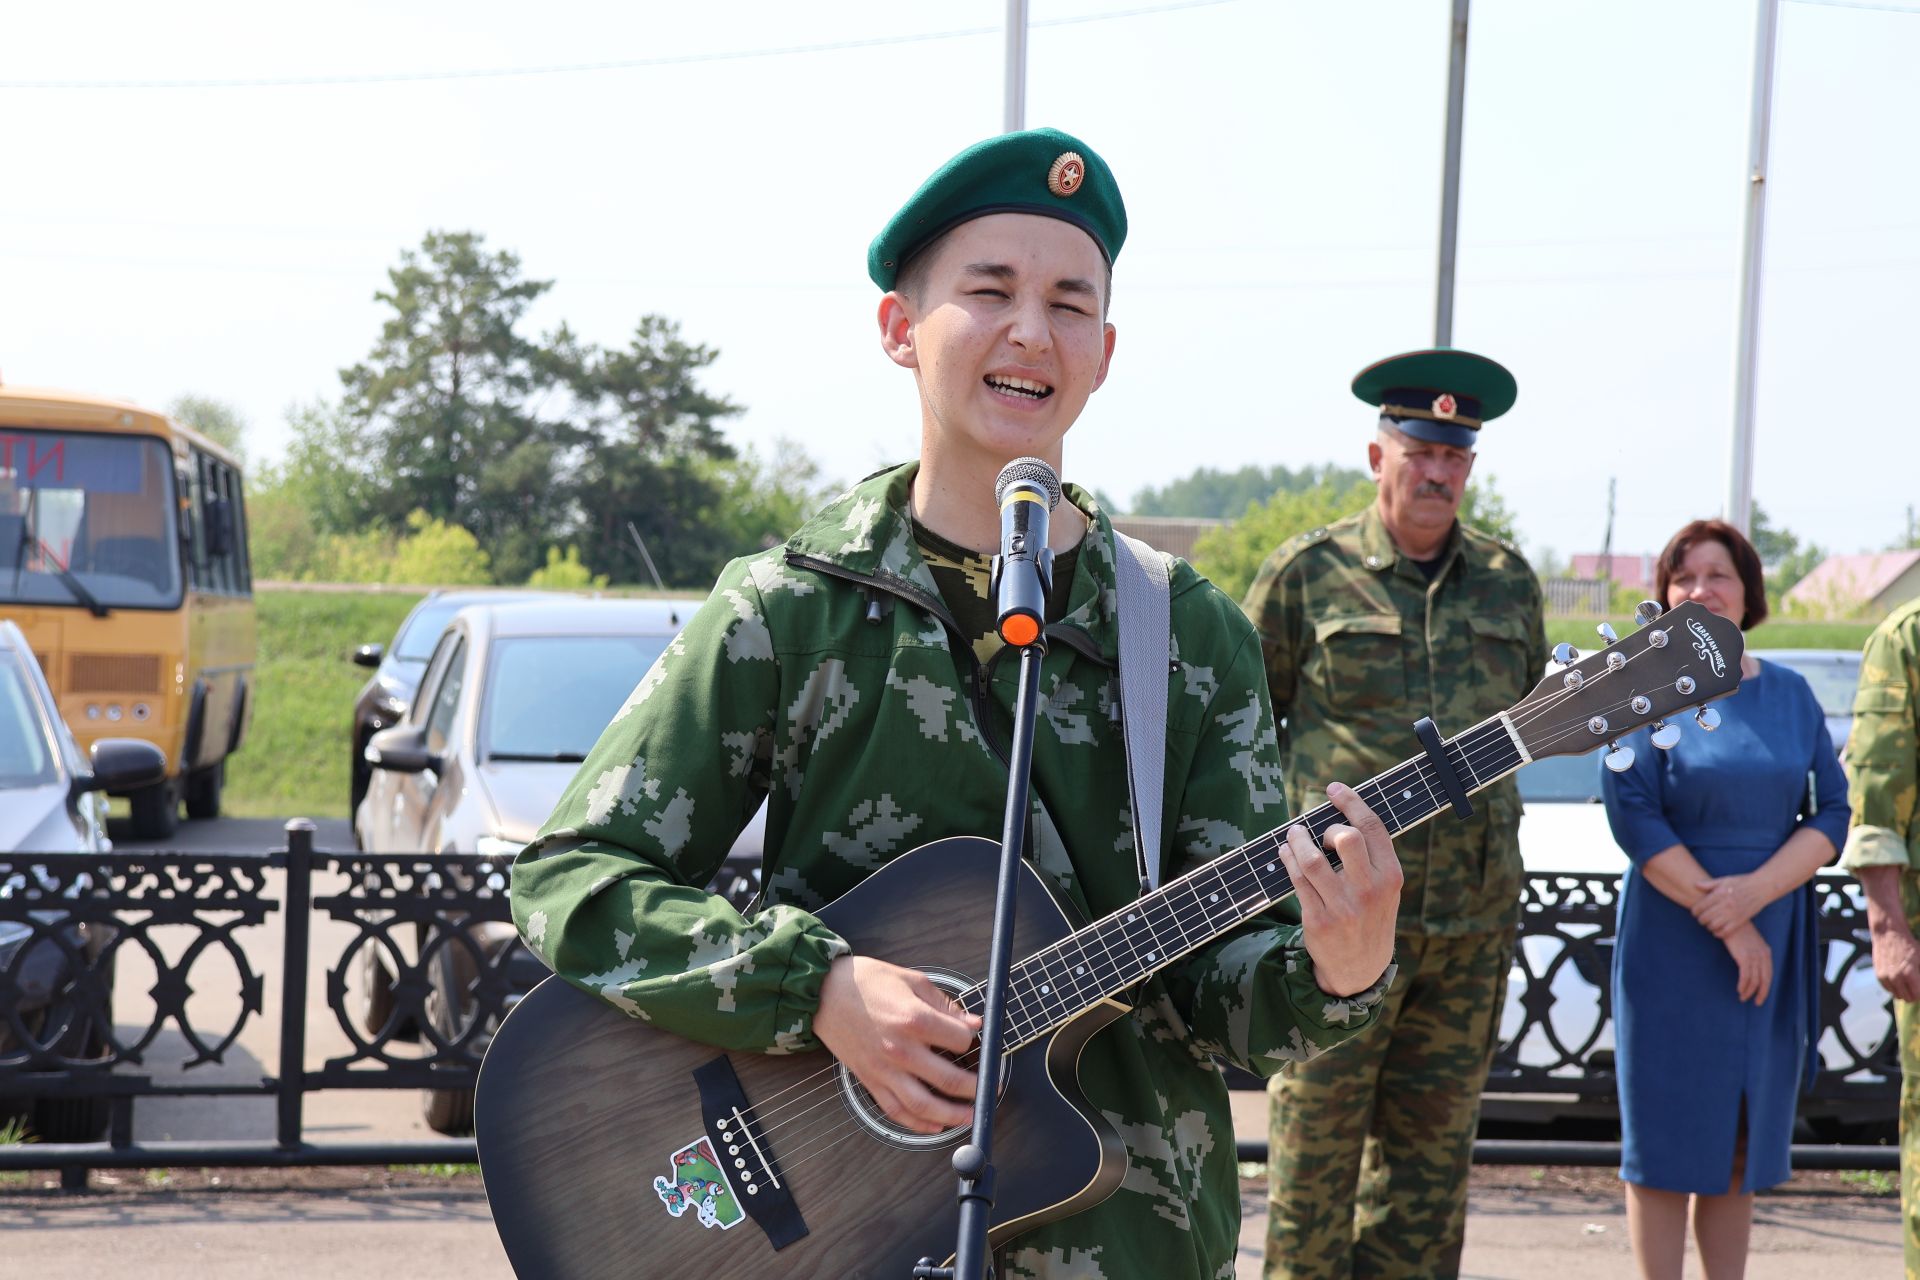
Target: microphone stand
column 973, row 1161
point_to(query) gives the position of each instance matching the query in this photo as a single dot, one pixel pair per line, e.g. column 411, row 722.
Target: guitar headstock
column 1684, row 657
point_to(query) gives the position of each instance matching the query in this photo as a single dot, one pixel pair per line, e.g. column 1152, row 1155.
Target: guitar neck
column 1065, row 979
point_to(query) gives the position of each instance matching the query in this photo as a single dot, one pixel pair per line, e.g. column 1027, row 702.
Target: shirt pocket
column 1500, row 657
column 1361, row 665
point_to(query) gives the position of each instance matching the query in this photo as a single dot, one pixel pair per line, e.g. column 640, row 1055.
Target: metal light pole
column 1450, row 179
column 1015, row 116
column 1739, row 505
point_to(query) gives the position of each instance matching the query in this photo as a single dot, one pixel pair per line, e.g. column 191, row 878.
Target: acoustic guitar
column 611, row 1149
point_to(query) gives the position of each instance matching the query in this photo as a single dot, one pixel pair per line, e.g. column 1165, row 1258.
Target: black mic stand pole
column 973, row 1161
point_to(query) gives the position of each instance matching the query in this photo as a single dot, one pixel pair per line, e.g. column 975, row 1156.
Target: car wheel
column 450, row 1111
column 203, row 791
column 376, row 990
column 155, row 810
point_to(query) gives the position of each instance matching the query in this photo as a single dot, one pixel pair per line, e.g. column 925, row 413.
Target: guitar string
column 1041, row 993
column 1179, row 915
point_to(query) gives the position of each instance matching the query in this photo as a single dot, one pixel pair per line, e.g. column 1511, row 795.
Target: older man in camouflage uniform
column 1367, row 625
column 1883, row 850
column 851, row 679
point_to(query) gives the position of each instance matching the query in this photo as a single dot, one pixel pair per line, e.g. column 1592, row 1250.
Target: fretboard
column 1052, row 985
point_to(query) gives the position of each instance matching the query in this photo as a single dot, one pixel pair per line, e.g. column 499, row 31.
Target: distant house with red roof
column 1627, row 569
column 1870, row 584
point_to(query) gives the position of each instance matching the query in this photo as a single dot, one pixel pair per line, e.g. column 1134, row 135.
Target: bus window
column 87, row 519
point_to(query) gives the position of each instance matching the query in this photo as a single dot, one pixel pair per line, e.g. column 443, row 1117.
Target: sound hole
column 867, row 1113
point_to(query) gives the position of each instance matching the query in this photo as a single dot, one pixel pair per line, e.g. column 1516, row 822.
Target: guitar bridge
column 745, row 1153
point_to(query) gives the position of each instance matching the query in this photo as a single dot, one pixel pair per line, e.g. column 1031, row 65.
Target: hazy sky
column 1280, row 163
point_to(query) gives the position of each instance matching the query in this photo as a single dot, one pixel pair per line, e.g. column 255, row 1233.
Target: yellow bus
column 123, row 557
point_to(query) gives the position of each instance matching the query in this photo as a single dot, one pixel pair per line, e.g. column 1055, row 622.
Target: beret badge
column 1446, row 406
column 1068, row 172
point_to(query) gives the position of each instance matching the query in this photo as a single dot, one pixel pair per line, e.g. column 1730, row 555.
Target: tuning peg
column 1606, row 632
column 1565, row 654
column 1707, row 718
column 1620, row 759
column 1646, row 611
column 1665, row 736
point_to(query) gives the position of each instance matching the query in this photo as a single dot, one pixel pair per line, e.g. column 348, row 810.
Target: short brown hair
column 1746, row 562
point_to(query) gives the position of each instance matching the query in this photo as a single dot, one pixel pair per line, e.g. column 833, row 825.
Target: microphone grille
column 1033, row 471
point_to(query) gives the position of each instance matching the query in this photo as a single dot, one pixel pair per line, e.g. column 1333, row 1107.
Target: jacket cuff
column 1874, row 847
column 812, row 955
column 1328, row 1019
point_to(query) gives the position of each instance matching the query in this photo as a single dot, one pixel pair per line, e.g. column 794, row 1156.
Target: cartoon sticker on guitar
column 700, row 1183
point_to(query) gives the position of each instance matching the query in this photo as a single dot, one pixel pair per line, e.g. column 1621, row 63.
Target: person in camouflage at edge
column 840, row 677
column 1367, row 625
column 1883, row 851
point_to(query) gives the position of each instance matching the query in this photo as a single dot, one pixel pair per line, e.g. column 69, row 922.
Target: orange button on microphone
column 1020, row 629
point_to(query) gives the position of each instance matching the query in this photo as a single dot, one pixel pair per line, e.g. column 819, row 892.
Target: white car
column 52, row 802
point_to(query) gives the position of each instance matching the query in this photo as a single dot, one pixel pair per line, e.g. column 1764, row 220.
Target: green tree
column 1232, row 554
column 565, row 572
column 217, row 420
column 448, row 405
column 1486, row 509
column 1221, row 495
column 1781, row 553
column 655, row 433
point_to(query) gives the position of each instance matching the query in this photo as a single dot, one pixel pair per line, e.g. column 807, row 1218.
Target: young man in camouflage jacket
column 847, row 678
column 1883, row 851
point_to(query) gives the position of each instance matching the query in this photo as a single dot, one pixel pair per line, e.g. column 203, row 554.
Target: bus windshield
column 87, row 520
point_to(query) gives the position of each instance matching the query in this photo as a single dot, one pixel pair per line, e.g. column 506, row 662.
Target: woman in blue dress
column 1716, row 973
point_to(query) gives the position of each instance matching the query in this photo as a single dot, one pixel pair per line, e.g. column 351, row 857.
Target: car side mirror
column 369, row 655
column 122, row 764
column 401, row 749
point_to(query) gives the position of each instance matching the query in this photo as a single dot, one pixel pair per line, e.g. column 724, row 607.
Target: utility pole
column 1606, row 539
column 1014, row 117
column 1450, row 179
column 1739, row 506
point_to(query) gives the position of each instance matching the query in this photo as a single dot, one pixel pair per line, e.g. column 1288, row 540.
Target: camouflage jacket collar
column 867, row 534
column 1377, row 545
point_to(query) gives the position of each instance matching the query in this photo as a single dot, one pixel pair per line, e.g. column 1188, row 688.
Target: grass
column 1873, row 1182
column 294, row 761
column 438, row 1170
column 1579, row 632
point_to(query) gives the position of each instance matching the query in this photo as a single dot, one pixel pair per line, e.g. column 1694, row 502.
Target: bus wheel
column 203, row 791
column 156, row 810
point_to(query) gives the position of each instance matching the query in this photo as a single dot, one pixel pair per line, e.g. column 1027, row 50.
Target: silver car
column 53, row 802
column 513, row 698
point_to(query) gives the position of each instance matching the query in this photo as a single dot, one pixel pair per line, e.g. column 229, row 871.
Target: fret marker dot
column 1152, row 956
column 1270, row 866
column 1214, row 898
column 1406, row 795
column 1131, row 917
column 1082, row 971
column 1045, row 989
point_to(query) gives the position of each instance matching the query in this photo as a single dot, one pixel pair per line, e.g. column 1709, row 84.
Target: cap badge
column 1068, row 172
column 1445, row 406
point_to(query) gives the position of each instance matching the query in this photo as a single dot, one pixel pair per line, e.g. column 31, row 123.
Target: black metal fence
column 420, row 963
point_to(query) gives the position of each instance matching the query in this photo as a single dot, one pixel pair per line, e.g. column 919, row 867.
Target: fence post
column 293, row 979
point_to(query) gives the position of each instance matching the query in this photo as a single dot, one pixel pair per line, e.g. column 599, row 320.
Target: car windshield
column 549, row 697
column 1561, row 780
column 26, row 757
column 1834, row 676
column 87, row 520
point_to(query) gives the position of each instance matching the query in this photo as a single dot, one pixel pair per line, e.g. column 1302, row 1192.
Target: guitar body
column 580, row 1109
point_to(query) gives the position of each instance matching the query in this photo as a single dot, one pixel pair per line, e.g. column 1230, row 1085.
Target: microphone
column 1027, row 492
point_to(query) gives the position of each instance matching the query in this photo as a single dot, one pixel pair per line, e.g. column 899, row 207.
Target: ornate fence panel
column 417, row 960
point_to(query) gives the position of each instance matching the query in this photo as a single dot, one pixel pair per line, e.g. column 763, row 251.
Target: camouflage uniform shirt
column 1359, row 645
column 1883, row 753
column 827, row 677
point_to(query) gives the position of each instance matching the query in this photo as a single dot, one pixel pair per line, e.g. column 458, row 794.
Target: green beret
column 1441, row 396
column 1041, row 171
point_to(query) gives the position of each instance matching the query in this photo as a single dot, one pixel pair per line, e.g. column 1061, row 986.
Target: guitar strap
column 1140, row 583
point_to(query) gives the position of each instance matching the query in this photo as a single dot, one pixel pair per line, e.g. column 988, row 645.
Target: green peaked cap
column 1041, row 171
column 1440, row 395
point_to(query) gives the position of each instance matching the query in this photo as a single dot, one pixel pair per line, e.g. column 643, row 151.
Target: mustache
column 1431, row 489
